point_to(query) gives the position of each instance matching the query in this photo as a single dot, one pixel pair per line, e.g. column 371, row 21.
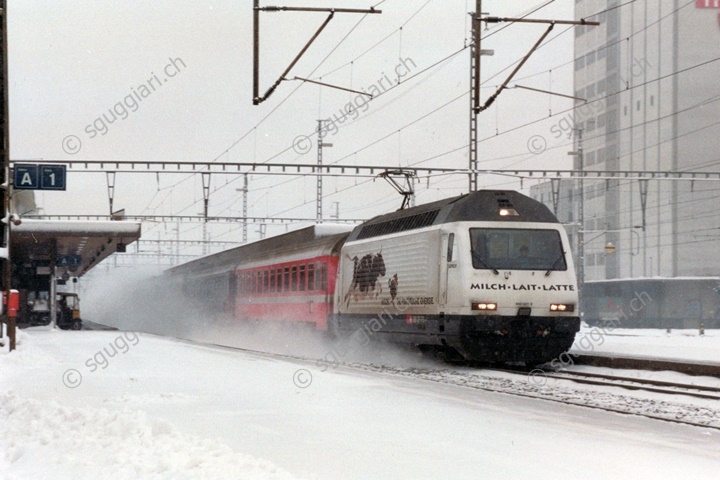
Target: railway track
column 527, row 384
column 631, row 383
column 652, row 364
column 535, row 385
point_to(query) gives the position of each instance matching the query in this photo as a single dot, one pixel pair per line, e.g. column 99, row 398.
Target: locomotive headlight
column 484, row 306
column 562, row 307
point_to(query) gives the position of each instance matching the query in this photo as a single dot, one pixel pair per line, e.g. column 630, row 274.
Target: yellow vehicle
column 68, row 311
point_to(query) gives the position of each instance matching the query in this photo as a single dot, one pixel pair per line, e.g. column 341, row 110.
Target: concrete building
column 651, row 74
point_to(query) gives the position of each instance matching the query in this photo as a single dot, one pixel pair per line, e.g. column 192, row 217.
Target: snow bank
column 48, row 440
column 63, row 434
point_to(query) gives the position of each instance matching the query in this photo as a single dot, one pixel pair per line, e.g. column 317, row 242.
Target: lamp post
column 581, row 216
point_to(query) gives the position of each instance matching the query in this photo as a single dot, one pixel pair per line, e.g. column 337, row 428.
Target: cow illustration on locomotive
column 366, row 274
column 485, row 276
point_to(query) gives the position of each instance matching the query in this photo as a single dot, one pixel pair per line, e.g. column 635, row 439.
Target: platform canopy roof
column 75, row 245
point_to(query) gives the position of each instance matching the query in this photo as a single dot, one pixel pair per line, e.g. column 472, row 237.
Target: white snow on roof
column 327, row 229
column 89, row 228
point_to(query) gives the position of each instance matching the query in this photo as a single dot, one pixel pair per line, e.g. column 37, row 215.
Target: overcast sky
column 178, row 75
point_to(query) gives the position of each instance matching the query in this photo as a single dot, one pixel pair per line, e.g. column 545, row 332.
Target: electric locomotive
column 486, row 276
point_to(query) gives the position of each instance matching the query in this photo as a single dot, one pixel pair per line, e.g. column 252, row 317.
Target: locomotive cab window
column 517, row 249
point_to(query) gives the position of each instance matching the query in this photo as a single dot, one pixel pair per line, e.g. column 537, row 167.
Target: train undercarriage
column 491, row 339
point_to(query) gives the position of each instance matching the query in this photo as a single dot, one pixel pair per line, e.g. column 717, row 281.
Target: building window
column 579, row 62
column 591, row 157
column 589, row 59
column 601, row 155
column 601, row 86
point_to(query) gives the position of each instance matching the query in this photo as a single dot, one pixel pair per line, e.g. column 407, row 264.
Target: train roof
column 228, row 260
column 483, row 205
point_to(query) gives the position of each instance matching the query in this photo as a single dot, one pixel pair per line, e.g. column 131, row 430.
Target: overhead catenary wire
column 436, row 156
column 418, row 73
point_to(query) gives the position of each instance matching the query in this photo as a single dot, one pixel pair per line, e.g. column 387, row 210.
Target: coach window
column 302, row 278
column 272, row 280
column 311, row 277
column 278, row 279
column 286, row 280
column 323, row 276
column 266, row 281
column 293, row 278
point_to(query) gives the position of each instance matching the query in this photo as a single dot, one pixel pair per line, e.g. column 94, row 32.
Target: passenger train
column 485, row 276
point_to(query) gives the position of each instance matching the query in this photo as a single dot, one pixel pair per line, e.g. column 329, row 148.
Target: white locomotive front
column 488, row 276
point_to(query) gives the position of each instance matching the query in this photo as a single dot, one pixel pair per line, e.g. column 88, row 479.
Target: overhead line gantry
column 369, row 171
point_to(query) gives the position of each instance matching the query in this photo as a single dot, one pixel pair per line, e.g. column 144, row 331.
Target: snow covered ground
column 650, row 343
column 116, row 405
column 124, row 405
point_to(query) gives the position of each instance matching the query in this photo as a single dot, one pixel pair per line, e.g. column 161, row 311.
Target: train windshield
column 517, row 249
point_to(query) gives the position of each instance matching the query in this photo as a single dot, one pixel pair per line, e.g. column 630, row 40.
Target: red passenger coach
column 298, row 290
column 289, row 277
